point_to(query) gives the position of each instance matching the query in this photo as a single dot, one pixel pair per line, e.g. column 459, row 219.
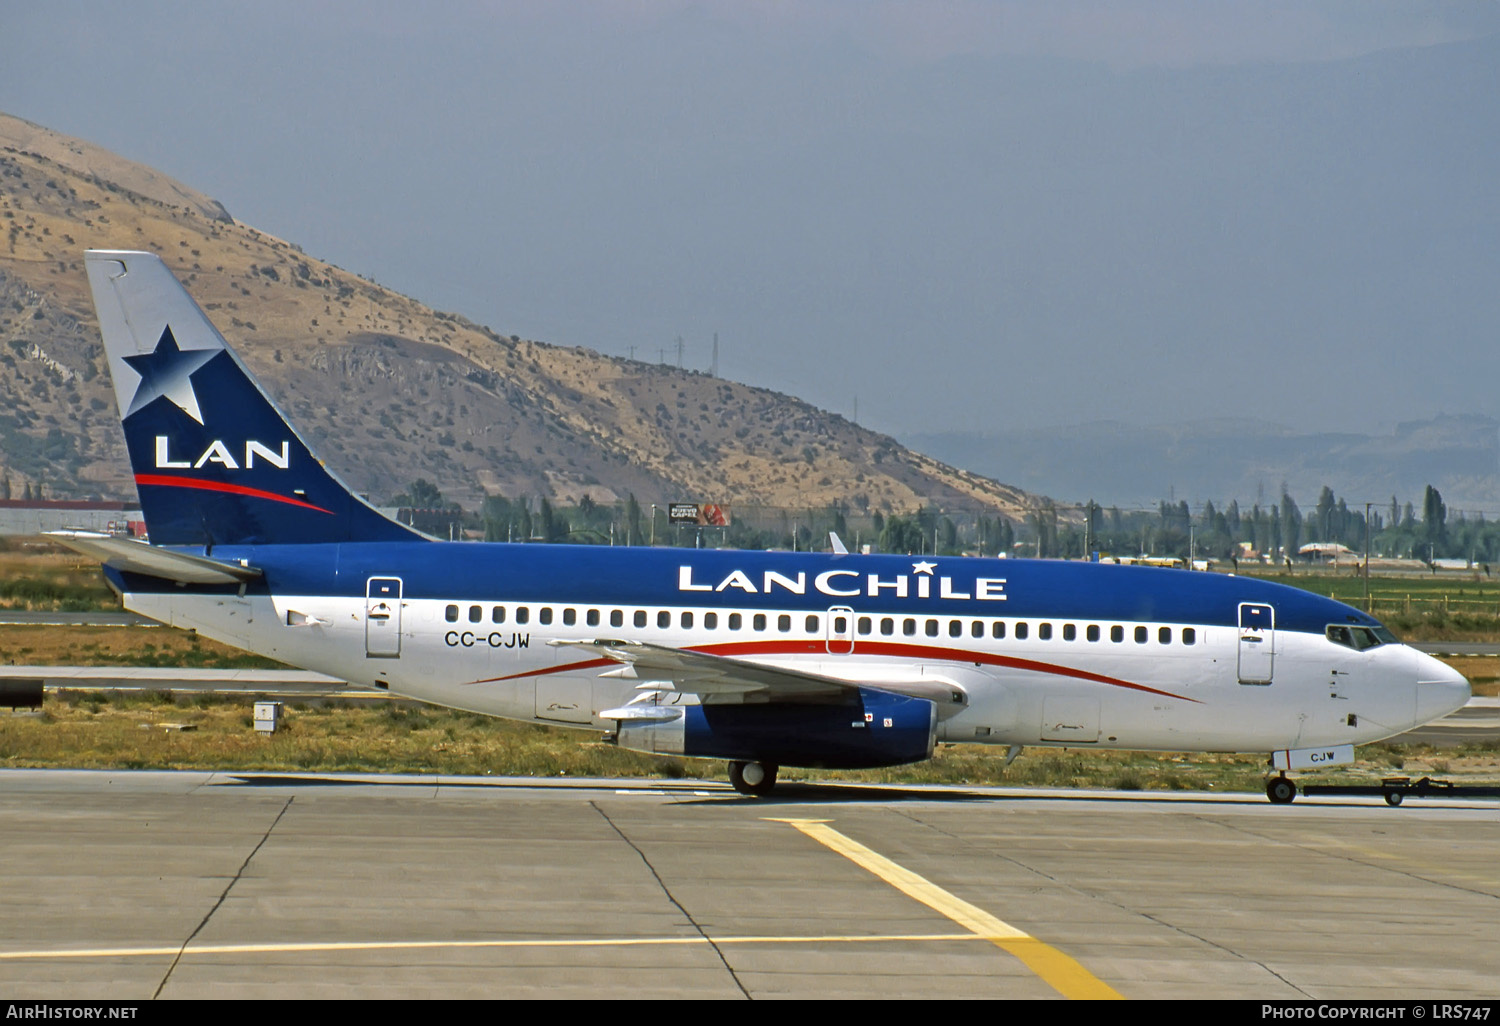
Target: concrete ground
column 126, row 886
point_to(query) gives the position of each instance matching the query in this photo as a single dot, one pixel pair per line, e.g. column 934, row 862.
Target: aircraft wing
column 721, row 679
column 714, row 677
column 140, row 558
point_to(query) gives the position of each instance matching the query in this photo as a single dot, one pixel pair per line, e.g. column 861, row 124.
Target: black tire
column 755, row 788
column 1281, row 791
column 1393, row 798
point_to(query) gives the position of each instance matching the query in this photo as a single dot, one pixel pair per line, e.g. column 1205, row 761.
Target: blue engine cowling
column 874, row 728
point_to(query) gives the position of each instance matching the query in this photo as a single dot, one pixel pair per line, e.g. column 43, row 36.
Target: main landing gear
column 1280, row 790
column 755, row 779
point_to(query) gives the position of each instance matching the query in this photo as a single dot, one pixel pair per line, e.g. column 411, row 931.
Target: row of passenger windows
column 886, row 626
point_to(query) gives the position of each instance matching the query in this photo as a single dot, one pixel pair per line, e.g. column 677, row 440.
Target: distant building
column 1329, row 552
column 38, row 516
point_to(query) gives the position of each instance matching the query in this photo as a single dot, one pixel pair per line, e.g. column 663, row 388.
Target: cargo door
column 1074, row 720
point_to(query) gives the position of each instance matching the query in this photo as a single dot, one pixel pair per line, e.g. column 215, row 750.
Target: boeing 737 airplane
column 763, row 659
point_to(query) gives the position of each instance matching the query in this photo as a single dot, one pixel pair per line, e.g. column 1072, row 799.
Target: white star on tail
column 168, row 372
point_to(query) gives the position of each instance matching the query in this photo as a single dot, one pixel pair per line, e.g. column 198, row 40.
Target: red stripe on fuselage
column 878, row 648
column 164, row 481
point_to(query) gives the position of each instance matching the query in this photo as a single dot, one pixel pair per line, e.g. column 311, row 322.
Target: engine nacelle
column 874, row 728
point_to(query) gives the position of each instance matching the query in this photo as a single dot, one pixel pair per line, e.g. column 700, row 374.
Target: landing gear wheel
column 1393, row 798
column 1280, row 790
column 756, row 779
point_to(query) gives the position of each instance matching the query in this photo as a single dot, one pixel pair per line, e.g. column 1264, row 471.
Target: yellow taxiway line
column 1059, row 971
column 304, row 947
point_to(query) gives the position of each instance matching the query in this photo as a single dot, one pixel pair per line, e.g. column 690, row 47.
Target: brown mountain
column 386, row 389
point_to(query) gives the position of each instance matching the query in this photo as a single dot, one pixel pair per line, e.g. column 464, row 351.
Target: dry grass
column 41, row 576
column 96, row 730
column 120, row 646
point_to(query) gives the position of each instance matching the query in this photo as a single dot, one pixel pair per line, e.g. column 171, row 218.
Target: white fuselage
column 1178, row 689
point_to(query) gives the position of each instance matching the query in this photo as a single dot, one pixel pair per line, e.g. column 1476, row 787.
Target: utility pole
column 679, row 352
column 714, row 373
column 1367, row 556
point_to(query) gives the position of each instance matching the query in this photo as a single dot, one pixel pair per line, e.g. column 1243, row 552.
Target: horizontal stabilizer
column 139, row 558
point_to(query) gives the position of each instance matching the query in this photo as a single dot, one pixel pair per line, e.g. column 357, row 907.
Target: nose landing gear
column 756, row 779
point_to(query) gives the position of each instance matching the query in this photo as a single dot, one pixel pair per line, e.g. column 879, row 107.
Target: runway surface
column 129, row 885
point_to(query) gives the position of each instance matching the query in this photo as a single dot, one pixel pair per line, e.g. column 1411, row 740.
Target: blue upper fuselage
column 879, row 584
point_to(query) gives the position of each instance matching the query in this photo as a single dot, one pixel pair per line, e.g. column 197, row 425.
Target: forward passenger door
column 1257, row 644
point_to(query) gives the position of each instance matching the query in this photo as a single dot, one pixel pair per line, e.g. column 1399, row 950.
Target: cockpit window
column 1359, row 638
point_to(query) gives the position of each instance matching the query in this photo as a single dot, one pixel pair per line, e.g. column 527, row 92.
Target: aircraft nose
column 1440, row 689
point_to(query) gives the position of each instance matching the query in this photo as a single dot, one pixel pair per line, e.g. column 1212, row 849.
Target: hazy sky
column 968, row 214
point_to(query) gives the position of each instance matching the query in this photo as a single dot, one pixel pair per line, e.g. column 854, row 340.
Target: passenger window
column 998, row 631
column 710, row 621
column 663, row 619
column 592, row 618
column 1189, row 636
column 1044, row 632
column 475, row 614
column 1070, row 632
column 687, row 620
column 1117, row 633
column 1021, row 631
column 570, row 616
column 865, row 625
column 812, row 625
column 497, row 614
column 759, row 623
column 640, row 618
column 784, row 622
column 523, row 614
column 616, row 618
column 909, row 627
column 544, row 615
column 887, row 626
column 1141, row 635
column 955, row 628
column 932, row 628
column 451, row 614
column 1093, row 632
column 1164, row 635
column 976, row 629
column 735, row 620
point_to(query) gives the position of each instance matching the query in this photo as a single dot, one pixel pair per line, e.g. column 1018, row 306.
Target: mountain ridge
column 386, row 388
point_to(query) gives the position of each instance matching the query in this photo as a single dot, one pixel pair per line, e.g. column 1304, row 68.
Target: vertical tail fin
column 215, row 462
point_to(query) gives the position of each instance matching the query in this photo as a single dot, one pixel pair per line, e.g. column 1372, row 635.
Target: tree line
column 1275, row 531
